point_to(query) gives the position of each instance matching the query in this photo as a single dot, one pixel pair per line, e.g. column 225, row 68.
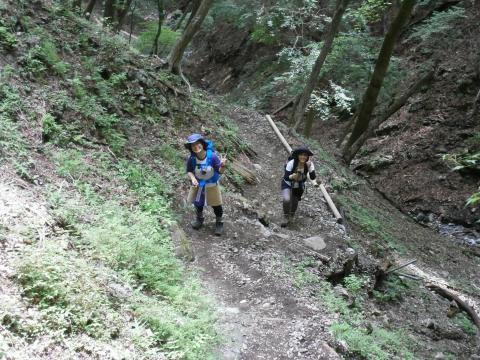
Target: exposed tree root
column 462, row 304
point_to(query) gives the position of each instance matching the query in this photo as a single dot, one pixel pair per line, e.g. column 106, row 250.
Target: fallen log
column 248, row 175
column 338, row 216
column 462, row 304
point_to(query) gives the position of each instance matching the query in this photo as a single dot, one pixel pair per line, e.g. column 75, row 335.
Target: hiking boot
column 197, row 224
column 286, row 222
column 219, row 226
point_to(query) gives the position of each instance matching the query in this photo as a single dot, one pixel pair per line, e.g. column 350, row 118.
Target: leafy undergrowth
column 108, row 268
column 98, row 130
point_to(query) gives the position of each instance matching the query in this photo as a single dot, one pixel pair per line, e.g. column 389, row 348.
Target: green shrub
column 65, row 288
column 145, row 39
column 465, row 324
column 440, row 25
column 374, row 343
column 50, row 127
column 71, row 163
column 353, row 283
column 106, row 123
column 263, row 35
column 7, row 39
column 395, row 289
column 48, row 53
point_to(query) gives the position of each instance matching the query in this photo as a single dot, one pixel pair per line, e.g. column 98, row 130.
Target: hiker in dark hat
column 204, row 168
column 293, row 183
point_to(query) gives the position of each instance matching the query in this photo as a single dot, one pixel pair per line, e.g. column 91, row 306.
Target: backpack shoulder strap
column 193, row 160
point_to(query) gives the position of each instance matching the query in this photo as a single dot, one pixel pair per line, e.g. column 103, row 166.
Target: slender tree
column 180, row 21
column 195, row 5
column 132, row 17
column 303, row 99
column 392, row 109
column 161, row 16
column 176, row 55
column 381, row 66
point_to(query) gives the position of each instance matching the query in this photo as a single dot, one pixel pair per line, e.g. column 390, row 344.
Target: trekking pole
column 333, row 208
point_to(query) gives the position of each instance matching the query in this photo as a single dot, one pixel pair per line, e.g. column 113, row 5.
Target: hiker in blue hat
column 204, row 168
column 293, row 182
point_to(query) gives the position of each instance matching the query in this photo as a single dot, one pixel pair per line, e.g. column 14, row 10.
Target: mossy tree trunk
column 383, row 60
column 302, row 101
column 176, row 55
column 161, row 16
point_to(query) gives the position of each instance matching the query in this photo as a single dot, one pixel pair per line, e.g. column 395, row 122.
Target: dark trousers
column 218, row 210
column 291, row 197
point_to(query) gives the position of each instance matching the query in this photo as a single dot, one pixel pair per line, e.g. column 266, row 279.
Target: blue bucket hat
column 194, row 138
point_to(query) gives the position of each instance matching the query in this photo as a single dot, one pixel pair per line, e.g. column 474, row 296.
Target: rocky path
column 251, row 268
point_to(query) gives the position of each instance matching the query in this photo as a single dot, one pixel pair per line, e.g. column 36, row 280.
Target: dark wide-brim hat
column 301, row 150
column 193, row 139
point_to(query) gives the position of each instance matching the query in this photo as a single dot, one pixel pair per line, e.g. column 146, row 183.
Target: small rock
column 439, row 355
column 430, row 324
column 257, row 167
column 340, row 290
column 315, row 243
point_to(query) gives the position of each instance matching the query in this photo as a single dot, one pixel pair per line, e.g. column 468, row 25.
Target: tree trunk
column 176, row 55
column 161, row 16
column 371, row 94
column 309, row 123
column 302, row 102
column 109, row 12
column 193, row 12
column 397, row 104
column 180, row 21
column 88, row 10
column 132, row 17
column 122, row 13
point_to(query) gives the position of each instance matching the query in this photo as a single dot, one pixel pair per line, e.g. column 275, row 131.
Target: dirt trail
column 249, row 269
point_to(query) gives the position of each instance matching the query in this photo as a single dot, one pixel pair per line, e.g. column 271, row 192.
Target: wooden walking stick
column 327, row 197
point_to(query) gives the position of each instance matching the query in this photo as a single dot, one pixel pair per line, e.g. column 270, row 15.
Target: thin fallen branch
column 171, row 87
column 410, row 276
column 284, row 106
column 401, row 266
column 462, row 304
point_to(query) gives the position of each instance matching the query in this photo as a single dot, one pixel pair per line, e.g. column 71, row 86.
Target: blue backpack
column 210, row 151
